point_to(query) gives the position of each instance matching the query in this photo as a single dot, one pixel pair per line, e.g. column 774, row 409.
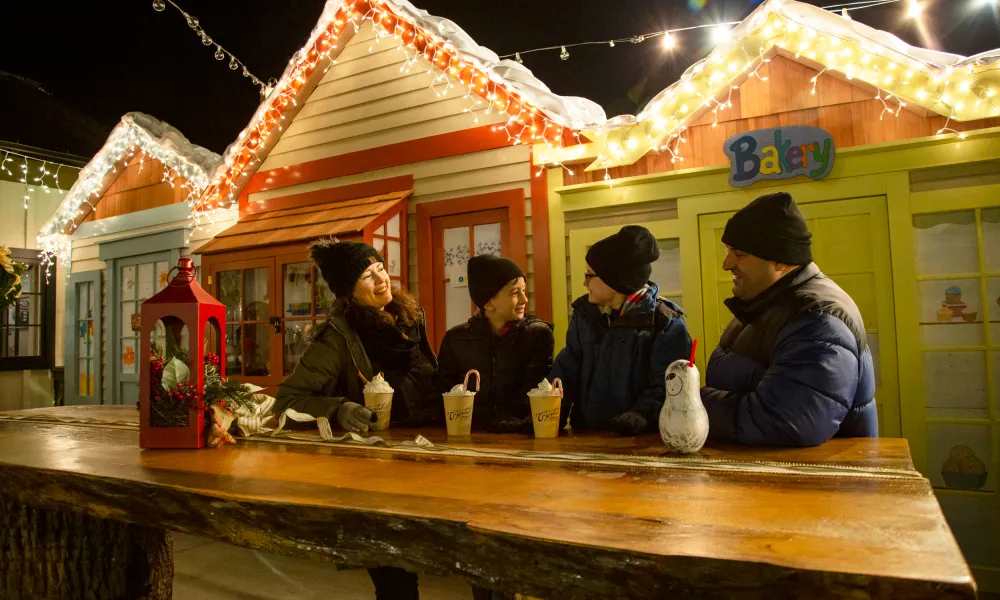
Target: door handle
column 276, row 323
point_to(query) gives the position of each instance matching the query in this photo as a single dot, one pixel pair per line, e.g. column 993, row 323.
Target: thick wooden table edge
column 358, row 537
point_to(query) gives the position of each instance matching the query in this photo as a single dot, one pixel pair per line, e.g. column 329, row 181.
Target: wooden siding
column 848, row 110
column 365, row 101
column 137, row 189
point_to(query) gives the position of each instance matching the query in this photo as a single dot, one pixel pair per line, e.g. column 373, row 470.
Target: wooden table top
column 552, row 529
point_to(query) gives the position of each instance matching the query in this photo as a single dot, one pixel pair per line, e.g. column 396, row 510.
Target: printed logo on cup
column 547, row 415
column 465, row 413
column 379, row 407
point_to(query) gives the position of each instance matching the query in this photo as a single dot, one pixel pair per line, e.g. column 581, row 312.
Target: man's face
column 751, row 275
column 510, row 302
column 600, row 293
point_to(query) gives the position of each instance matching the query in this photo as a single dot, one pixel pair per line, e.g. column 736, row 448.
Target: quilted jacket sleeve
column 306, row 389
column 567, row 366
column 449, row 371
column 672, row 343
column 539, row 350
column 804, row 395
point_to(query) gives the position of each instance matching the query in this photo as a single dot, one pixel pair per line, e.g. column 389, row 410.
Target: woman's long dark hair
column 403, row 309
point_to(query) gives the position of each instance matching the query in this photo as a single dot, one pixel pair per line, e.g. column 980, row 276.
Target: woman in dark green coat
column 371, row 329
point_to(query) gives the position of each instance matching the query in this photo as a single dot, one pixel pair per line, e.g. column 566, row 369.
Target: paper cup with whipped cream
column 458, row 406
column 378, row 399
column 546, row 402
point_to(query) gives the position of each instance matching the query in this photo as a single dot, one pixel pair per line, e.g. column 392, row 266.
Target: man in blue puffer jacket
column 621, row 339
column 793, row 368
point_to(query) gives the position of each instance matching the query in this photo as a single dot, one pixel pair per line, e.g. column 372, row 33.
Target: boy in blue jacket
column 621, row 339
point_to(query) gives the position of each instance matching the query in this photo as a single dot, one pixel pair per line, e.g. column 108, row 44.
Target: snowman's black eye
column 672, row 376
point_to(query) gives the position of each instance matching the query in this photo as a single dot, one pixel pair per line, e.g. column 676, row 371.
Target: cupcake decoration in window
column 953, row 307
column 964, row 470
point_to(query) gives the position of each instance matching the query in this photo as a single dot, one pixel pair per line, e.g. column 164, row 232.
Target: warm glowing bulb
column 632, row 143
column 922, row 94
column 668, row 41
column 720, row 34
column 914, row 9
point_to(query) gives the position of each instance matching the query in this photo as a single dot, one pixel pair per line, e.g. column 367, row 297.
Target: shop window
column 306, row 300
column 246, row 294
column 27, row 327
column 137, row 282
column 958, row 292
column 388, row 240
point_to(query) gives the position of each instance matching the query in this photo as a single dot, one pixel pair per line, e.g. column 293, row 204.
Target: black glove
column 510, row 425
column 629, row 423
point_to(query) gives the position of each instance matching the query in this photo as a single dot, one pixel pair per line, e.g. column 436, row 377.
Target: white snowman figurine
column 683, row 418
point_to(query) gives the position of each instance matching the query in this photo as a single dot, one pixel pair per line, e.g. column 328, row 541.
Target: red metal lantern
column 183, row 303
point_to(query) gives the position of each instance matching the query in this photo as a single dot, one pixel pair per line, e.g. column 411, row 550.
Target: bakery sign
column 779, row 153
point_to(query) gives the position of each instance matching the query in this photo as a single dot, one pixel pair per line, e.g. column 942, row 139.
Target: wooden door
column 851, row 246
column 454, row 239
column 253, row 348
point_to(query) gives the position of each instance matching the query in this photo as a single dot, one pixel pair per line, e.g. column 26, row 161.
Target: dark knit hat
column 487, row 276
column 342, row 263
column 771, row 227
column 624, row 260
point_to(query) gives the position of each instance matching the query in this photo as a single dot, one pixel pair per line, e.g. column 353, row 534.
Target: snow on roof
column 136, row 132
column 749, row 44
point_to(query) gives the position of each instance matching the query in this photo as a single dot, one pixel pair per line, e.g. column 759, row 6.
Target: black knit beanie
column 342, row 263
column 624, row 260
column 487, row 276
column 771, row 227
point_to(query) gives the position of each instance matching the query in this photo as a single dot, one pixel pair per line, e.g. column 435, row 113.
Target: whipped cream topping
column 378, row 385
column 545, row 389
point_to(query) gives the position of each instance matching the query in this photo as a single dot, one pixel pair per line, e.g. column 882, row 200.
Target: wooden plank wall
column 364, row 102
column 138, row 187
column 852, row 115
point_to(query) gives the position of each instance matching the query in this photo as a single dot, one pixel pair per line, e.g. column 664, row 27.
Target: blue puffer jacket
column 613, row 366
column 793, row 368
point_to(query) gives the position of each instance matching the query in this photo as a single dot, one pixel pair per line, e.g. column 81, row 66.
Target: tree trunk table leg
column 53, row 554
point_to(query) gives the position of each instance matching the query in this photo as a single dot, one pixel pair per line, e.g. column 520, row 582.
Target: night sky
column 110, row 57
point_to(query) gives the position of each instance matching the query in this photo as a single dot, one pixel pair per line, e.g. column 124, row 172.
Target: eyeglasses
column 588, row 276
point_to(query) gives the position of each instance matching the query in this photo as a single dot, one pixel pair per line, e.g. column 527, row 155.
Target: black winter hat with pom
column 342, row 263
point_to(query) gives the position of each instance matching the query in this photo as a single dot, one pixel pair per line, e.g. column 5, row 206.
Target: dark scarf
column 394, row 351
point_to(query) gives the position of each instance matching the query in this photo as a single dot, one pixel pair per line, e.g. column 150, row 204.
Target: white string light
column 720, row 31
column 221, row 53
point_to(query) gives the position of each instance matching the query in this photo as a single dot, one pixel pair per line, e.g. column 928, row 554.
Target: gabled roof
column 134, row 134
column 536, row 114
column 954, row 86
column 900, row 75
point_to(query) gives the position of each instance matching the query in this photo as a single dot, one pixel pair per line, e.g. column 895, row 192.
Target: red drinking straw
column 694, row 348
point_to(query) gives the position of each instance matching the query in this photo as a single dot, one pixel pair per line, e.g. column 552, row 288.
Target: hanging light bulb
column 563, row 54
column 517, row 57
column 668, row 41
column 845, row 14
column 192, row 22
column 219, row 54
column 914, row 9
column 233, row 64
column 720, row 34
column 159, row 5
column 611, row 43
column 205, row 39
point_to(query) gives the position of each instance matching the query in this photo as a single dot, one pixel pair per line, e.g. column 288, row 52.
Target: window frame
column 47, row 318
column 71, row 354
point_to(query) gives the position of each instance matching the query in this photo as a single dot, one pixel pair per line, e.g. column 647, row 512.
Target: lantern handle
column 192, row 277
